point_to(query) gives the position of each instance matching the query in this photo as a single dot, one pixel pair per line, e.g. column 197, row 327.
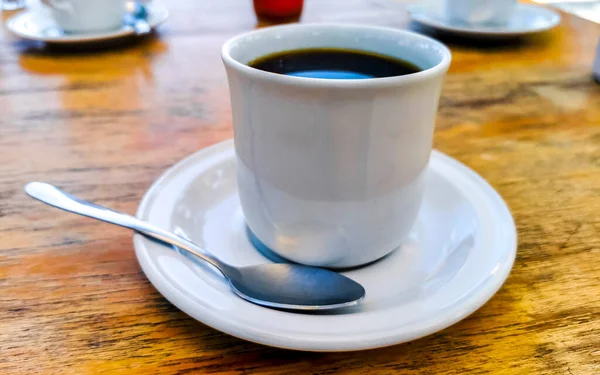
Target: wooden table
column 104, row 124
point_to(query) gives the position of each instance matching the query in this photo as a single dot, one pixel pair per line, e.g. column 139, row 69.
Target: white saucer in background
column 527, row 19
column 36, row 24
column 458, row 255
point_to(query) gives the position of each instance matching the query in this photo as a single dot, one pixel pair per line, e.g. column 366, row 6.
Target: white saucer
column 38, row 25
column 459, row 254
column 527, row 19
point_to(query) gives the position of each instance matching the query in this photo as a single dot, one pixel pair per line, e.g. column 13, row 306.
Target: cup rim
column 283, row 79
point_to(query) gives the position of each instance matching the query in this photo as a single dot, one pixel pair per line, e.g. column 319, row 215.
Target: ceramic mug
column 331, row 172
column 480, row 12
column 80, row 16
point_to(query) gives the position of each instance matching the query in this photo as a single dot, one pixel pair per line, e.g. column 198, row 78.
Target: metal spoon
column 279, row 285
column 137, row 17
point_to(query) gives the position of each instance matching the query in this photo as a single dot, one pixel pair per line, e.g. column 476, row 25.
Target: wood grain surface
column 104, row 123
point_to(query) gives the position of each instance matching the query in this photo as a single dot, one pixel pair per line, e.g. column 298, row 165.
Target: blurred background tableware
column 588, row 9
column 12, row 4
column 39, row 25
column 526, row 19
column 479, row 12
column 137, row 17
column 81, row 16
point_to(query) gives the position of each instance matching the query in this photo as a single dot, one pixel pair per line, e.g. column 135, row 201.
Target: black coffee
column 333, row 64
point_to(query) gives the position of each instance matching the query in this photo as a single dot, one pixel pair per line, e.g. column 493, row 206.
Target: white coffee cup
column 480, row 12
column 81, row 16
column 331, row 172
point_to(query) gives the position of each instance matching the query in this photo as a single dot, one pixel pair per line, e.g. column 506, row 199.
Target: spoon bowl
column 296, row 286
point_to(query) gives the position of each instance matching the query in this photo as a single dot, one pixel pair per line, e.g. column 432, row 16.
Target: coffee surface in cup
column 331, row 63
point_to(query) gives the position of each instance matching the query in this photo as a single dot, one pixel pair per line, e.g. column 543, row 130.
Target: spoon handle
column 53, row 196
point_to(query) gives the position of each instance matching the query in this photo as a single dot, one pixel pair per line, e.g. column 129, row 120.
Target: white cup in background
column 332, row 172
column 80, row 16
column 480, row 12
